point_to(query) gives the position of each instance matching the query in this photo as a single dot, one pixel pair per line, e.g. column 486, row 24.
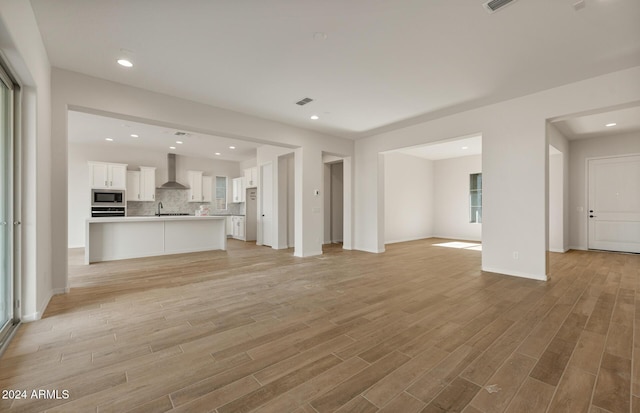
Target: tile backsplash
column 176, row 200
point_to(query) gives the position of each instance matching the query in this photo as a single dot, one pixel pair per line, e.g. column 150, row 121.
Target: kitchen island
column 118, row 238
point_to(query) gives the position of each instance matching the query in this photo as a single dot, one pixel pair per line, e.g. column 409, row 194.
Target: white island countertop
column 155, row 218
column 117, row 238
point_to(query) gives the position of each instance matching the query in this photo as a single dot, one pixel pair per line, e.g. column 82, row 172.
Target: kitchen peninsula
column 144, row 236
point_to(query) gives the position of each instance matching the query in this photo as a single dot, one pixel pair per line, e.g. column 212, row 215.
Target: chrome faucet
column 159, row 206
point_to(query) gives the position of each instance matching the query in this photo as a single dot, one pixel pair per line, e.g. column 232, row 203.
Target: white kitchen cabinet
column 229, row 226
column 251, row 177
column 103, row 175
column 147, row 183
column 133, row 185
column 238, row 190
column 141, row 185
column 195, row 186
column 207, row 188
column 238, row 228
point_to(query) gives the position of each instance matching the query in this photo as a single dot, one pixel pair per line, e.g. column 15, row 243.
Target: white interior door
column 614, row 204
column 266, row 207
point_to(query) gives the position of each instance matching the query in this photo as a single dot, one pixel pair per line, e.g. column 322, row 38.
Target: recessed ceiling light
column 133, row 135
column 465, row 147
column 172, row 147
column 125, row 62
column 608, row 125
column 218, row 153
column 315, row 117
column 232, row 147
column 179, row 142
column 108, row 139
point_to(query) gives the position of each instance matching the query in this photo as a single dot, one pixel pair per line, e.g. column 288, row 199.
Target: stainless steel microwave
column 107, row 197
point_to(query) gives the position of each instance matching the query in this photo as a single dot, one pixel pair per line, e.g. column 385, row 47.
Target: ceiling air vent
column 304, row 101
column 178, row 133
column 494, row 5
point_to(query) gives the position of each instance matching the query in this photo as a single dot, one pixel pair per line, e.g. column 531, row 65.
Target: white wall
column 580, row 150
column 249, row 163
column 85, row 93
column 24, row 52
column 556, row 203
column 79, row 186
column 514, row 163
column 408, row 200
column 451, row 198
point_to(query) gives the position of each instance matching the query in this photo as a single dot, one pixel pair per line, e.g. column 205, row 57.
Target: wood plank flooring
column 417, row 329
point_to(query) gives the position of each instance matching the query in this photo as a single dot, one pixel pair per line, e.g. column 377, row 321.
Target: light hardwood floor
column 417, row 329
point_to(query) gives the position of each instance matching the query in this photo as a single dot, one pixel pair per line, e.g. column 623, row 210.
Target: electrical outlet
column 515, row 255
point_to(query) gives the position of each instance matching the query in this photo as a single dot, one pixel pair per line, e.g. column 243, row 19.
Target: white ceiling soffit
column 94, row 129
column 368, row 65
column 626, row 120
column 455, row 148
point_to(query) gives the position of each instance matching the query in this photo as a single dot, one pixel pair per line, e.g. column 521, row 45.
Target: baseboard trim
column 373, row 251
column 395, row 241
column 76, row 246
column 558, row 250
column 308, row 254
column 578, row 248
column 462, row 239
column 537, row 277
column 41, row 309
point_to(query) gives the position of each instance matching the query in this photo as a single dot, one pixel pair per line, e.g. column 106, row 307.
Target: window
column 8, row 153
column 475, row 198
column 221, row 192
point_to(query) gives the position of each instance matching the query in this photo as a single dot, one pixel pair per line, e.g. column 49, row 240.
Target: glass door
column 6, row 205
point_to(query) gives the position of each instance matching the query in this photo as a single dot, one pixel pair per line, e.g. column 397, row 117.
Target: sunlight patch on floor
column 461, row 245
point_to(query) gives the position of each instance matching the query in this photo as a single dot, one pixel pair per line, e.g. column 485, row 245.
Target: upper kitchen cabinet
column 220, row 193
column 251, row 177
column 147, row 183
column 104, row 175
column 238, row 189
column 195, row 186
column 133, row 186
column 207, row 188
column 141, row 185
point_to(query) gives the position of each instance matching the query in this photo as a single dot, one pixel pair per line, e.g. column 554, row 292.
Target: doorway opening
column 286, row 193
column 556, row 200
column 334, row 202
column 434, row 191
column 266, row 204
column 601, row 151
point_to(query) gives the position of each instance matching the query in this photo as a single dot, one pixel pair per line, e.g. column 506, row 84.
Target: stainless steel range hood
column 172, row 183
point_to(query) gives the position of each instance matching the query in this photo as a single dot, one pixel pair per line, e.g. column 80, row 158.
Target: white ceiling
column 627, row 120
column 94, row 129
column 446, row 150
column 383, row 63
